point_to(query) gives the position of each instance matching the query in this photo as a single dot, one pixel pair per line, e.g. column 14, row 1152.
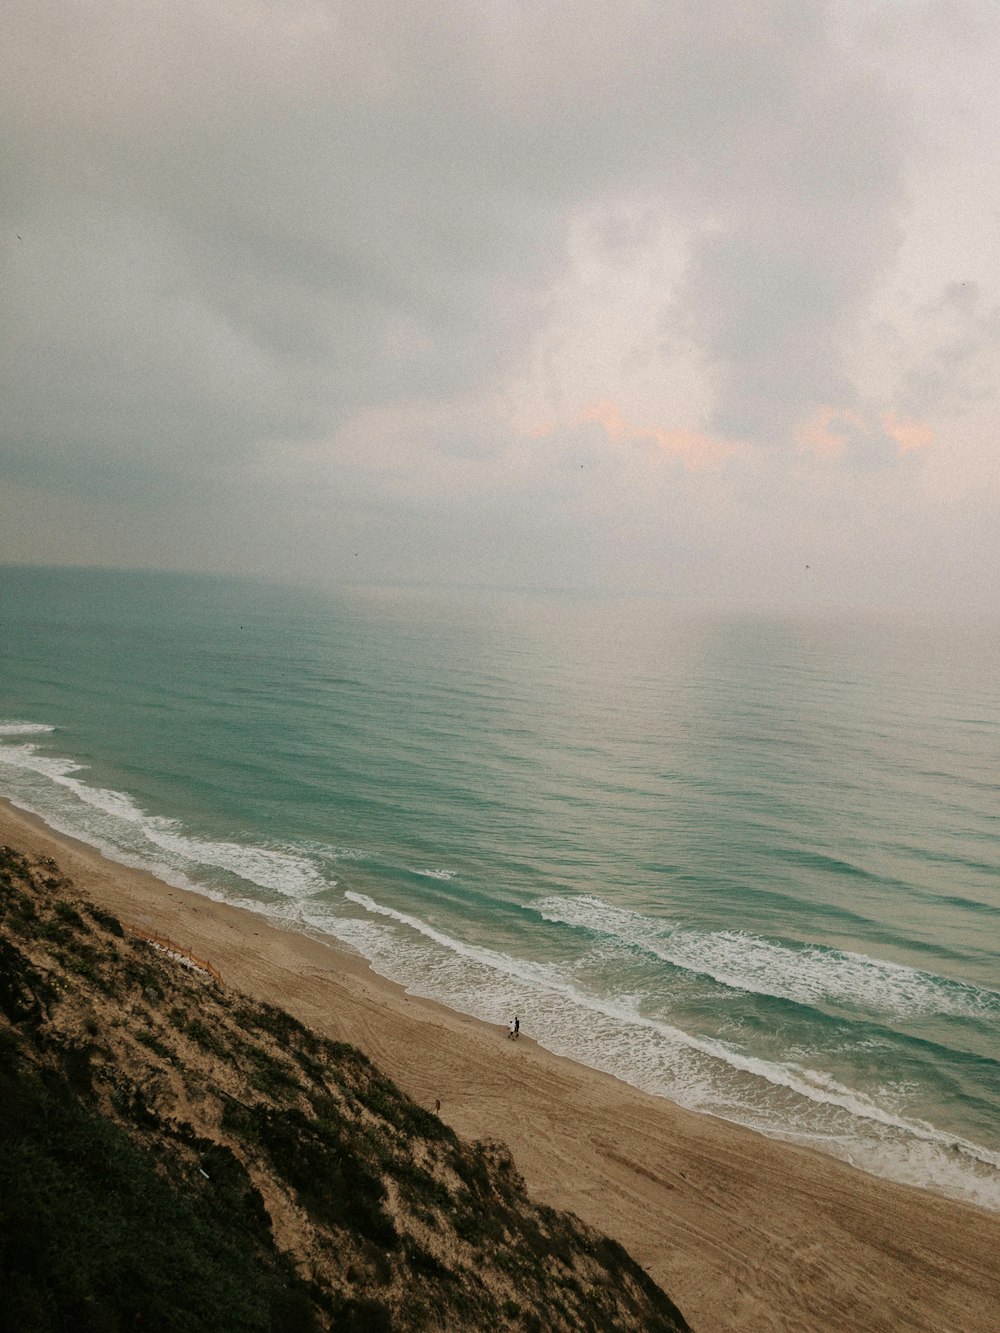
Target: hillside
column 175, row 1155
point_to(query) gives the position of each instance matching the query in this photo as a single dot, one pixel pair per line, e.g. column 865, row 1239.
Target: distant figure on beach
column 511, row 1034
column 517, row 1026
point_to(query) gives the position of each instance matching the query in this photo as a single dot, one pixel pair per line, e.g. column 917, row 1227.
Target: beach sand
column 742, row 1232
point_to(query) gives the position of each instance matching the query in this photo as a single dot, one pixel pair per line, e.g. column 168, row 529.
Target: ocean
column 746, row 862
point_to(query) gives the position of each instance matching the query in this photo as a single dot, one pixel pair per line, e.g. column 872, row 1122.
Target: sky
column 695, row 298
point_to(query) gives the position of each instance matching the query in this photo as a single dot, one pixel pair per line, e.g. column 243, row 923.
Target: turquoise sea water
column 748, row 863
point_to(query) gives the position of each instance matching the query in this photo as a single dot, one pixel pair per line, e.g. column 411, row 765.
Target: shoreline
column 742, row 1231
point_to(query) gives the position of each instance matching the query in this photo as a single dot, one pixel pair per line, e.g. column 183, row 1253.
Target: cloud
column 248, row 218
column 246, row 221
column 845, row 435
column 286, row 273
column 693, row 448
column 955, row 344
column 806, row 227
column 908, row 435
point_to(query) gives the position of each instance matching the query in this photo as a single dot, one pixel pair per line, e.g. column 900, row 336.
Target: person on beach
column 517, row 1026
column 511, row 1034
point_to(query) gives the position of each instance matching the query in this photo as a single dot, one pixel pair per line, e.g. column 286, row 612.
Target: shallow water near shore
column 745, row 862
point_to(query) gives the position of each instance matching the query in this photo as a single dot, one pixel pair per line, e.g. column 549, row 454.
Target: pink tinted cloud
column 909, row 435
column 826, row 432
column 694, row 448
column 829, row 431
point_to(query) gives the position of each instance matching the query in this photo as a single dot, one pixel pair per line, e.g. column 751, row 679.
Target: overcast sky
column 697, row 297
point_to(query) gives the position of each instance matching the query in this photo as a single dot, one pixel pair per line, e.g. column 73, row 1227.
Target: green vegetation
column 92, row 1235
column 177, row 1157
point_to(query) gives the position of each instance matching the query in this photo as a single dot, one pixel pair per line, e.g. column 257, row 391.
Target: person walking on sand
column 517, row 1026
column 511, row 1033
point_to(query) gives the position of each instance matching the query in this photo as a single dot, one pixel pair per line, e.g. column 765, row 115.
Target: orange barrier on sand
column 162, row 942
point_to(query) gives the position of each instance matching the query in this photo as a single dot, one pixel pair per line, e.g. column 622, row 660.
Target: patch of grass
column 105, row 920
column 272, row 1020
column 381, row 1096
column 83, row 964
column 362, row 1316
column 208, row 1037
column 331, row 1178
column 272, row 1077
column 427, row 1264
column 91, row 1237
column 76, row 1062
column 150, row 1040
column 21, row 910
column 25, row 994
column 68, row 914
column 53, row 932
column 141, row 969
column 419, row 1185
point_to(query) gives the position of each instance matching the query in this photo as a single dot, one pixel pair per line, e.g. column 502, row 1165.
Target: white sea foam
column 112, row 821
column 281, row 871
column 434, row 874
column 59, row 770
column 542, row 974
column 27, row 756
column 806, row 974
column 608, row 1031
column 23, row 728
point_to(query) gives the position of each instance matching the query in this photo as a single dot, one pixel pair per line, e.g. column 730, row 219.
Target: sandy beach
column 742, row 1232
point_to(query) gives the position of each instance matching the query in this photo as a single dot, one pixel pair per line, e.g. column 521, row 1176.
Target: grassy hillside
column 174, row 1155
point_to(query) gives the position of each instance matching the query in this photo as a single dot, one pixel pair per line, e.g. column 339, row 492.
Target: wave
column 612, row 1030
column 811, row 860
column 815, row 1085
column 282, row 872
column 809, row 974
column 112, row 821
column 791, row 1100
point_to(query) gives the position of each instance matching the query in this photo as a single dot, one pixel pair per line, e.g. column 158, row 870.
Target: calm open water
column 747, row 863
